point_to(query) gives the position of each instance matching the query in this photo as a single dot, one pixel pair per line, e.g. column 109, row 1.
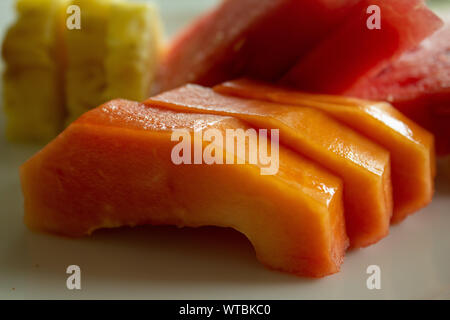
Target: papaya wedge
column 363, row 165
column 411, row 147
column 113, row 167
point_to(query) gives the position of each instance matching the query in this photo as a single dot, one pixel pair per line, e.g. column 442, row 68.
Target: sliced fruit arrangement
column 311, row 133
column 418, row 84
column 347, row 167
column 318, row 45
column 410, row 146
column 32, row 82
column 112, row 167
column 54, row 74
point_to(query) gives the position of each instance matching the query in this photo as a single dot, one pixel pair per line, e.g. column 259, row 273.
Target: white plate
column 206, row 263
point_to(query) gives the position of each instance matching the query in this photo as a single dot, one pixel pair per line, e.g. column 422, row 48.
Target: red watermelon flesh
column 316, row 45
column 418, row 84
column 353, row 50
column 258, row 38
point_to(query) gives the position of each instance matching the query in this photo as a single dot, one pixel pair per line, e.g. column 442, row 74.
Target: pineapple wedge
column 133, row 47
column 32, row 81
column 54, row 74
column 86, row 50
column 114, row 55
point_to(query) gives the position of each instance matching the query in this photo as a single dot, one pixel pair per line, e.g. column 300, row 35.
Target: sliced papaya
column 113, row 167
column 411, row 147
column 363, row 165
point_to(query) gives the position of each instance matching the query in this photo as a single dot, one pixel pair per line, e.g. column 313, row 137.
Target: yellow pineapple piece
column 86, row 51
column 32, row 81
column 133, row 47
column 54, row 74
column 114, row 55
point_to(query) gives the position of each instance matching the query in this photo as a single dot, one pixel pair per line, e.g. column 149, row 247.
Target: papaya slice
column 411, row 147
column 113, row 167
column 363, row 165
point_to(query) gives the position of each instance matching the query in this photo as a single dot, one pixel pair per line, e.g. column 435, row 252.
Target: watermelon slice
column 318, row 45
column 418, row 84
column 354, row 50
column 260, row 38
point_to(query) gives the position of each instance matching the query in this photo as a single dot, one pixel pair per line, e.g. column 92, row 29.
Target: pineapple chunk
column 114, row 55
column 55, row 74
column 86, row 50
column 132, row 47
column 32, row 82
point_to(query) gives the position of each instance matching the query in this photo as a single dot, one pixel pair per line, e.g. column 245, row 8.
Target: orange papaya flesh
column 363, row 165
column 112, row 167
column 411, row 147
